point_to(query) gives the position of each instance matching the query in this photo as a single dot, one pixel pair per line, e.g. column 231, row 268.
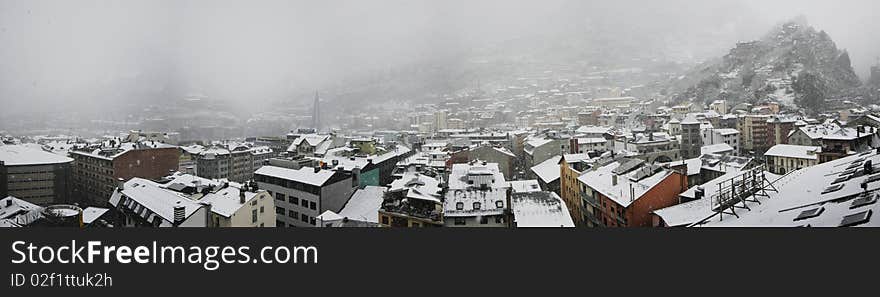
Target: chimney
column 120, row 183
column 241, row 196
column 317, row 169
column 9, row 202
column 179, row 213
column 613, row 179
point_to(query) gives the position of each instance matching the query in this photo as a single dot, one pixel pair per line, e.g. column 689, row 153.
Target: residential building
column 726, row 136
column 361, row 210
column 539, row 148
column 97, row 169
column 185, row 200
column 691, row 142
column 505, row 159
column 477, row 196
column 753, row 133
column 547, row 173
column 234, row 161
column 414, row 200
column 35, row 176
column 784, row 158
column 303, row 194
column 625, row 192
column 719, row 106
column 571, row 166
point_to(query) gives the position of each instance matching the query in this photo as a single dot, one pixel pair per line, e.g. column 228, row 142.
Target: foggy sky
column 86, row 54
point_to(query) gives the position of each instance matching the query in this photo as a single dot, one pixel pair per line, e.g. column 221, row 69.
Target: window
column 459, row 221
column 279, row 196
column 254, row 216
column 499, row 204
column 312, row 221
column 279, row 210
column 262, row 209
column 459, row 205
column 293, row 214
column 294, row 200
column 312, row 205
column 304, row 218
column 476, row 205
column 304, row 203
column 384, row 220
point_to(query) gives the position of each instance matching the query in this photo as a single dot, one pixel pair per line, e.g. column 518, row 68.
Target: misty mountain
column 793, row 64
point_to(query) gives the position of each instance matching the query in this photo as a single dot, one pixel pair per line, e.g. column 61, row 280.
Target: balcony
column 590, row 200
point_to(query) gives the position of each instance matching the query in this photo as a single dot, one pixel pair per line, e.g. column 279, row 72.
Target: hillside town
column 549, row 145
column 542, row 153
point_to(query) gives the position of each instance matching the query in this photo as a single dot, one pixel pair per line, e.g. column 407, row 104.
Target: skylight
column 856, row 219
column 833, row 188
column 810, row 213
column 862, row 201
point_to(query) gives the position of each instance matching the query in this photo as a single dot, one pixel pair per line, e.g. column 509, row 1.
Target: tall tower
column 316, row 111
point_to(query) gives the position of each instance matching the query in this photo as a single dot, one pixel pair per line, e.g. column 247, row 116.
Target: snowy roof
column 475, row 201
column 16, row 155
column 594, row 130
column 716, row 148
column 226, row 201
column 824, row 195
column 306, row 175
column 601, row 180
column 523, row 186
column 364, row 204
column 310, row 139
column 548, row 171
column 418, row 186
column 726, row 131
column 819, row 131
column 591, row 140
column 90, row 214
column 19, row 213
column 537, row 141
column 794, row 151
column 690, row 119
column 540, row 209
column 147, row 198
column 350, row 162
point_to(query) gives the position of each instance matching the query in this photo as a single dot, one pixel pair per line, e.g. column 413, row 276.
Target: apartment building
column 98, row 168
column 625, row 192
column 301, row 195
column 185, row 200
column 34, row 175
column 477, row 196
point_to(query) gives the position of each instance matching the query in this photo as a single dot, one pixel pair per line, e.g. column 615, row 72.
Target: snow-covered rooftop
column 306, row 175
column 602, row 180
column 548, row 171
column 794, row 151
column 17, row 155
column 363, row 206
column 716, row 148
column 540, row 209
column 824, row 195
column 523, row 186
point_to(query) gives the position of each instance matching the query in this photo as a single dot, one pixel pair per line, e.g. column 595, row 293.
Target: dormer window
column 476, row 205
column 459, row 205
